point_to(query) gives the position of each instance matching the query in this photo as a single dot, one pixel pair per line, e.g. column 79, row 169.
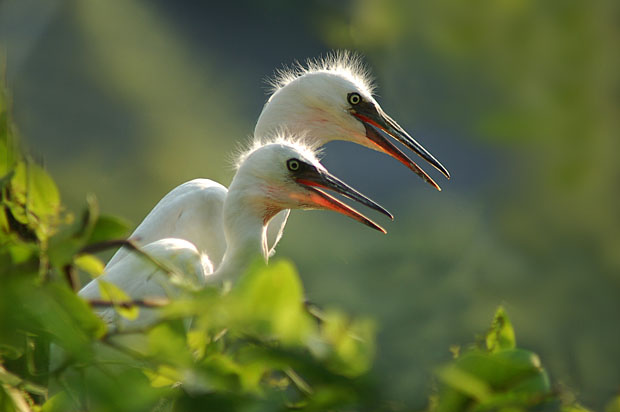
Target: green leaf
column 351, row 343
column 109, row 291
column 167, row 342
column 14, row 380
column 164, row 376
column 197, row 341
column 38, row 198
column 13, row 400
column 65, row 244
column 90, row 264
column 501, row 335
column 269, row 301
column 465, row 382
column 50, row 310
column 108, row 228
column 60, row 402
column 613, row 405
column 9, row 154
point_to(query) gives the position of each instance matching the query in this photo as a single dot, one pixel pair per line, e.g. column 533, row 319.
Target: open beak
column 313, row 179
column 378, row 125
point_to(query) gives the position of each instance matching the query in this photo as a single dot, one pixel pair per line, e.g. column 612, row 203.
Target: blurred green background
column 519, row 99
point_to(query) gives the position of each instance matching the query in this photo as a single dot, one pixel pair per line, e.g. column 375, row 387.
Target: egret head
column 286, row 174
column 331, row 99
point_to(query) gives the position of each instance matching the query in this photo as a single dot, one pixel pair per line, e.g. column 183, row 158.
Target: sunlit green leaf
column 111, row 292
column 13, row 400
column 501, row 335
column 10, row 379
column 272, row 299
column 164, row 376
column 197, row 341
column 20, row 252
column 9, row 154
column 90, row 264
column 465, row 382
column 60, row 402
column 613, row 405
column 35, row 191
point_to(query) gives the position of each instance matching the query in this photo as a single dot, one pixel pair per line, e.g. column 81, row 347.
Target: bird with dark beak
column 332, row 99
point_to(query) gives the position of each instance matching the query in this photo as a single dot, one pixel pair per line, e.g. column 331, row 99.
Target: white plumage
column 271, row 178
column 140, row 277
column 319, row 104
column 191, row 211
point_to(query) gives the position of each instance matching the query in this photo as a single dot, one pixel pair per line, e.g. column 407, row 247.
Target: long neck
column 245, row 231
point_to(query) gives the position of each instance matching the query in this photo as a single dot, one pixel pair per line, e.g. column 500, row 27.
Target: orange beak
column 312, row 179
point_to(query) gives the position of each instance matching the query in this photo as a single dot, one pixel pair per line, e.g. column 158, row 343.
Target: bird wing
column 141, row 278
column 191, row 211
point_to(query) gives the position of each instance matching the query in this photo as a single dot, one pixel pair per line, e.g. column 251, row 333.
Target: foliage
column 516, row 97
column 254, row 347
column 495, row 375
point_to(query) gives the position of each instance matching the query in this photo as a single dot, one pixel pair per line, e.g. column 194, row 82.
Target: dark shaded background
column 518, row 98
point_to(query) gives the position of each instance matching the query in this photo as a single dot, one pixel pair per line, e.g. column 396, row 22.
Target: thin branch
column 130, row 244
column 314, row 310
column 71, row 277
column 298, row 381
column 128, row 304
column 109, row 244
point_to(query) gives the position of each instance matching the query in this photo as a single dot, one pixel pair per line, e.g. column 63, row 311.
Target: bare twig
column 71, row 277
column 298, row 381
column 109, row 244
column 314, row 310
column 143, row 303
column 130, row 244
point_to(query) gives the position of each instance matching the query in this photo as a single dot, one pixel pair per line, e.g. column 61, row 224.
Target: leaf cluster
column 256, row 346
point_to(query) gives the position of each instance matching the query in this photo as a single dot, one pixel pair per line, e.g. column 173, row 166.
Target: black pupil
column 293, row 165
column 355, row 98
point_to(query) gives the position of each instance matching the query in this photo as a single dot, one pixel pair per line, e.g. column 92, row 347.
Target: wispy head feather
column 343, row 62
column 295, row 141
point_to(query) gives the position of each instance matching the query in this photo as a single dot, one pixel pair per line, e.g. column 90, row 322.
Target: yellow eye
column 354, row 98
column 292, row 165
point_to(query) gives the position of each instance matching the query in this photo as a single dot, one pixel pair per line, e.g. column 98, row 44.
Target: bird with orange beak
column 325, row 100
column 331, row 99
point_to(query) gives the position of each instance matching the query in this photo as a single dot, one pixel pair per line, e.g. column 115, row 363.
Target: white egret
column 270, row 178
column 331, row 99
column 327, row 100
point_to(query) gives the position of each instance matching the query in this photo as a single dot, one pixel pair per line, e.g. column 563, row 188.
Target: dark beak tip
column 445, row 172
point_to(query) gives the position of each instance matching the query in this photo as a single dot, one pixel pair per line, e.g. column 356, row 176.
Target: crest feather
column 297, row 142
column 343, row 62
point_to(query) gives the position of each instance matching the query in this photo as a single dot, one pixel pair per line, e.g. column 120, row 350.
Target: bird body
column 270, row 178
column 191, row 211
column 139, row 277
column 329, row 99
